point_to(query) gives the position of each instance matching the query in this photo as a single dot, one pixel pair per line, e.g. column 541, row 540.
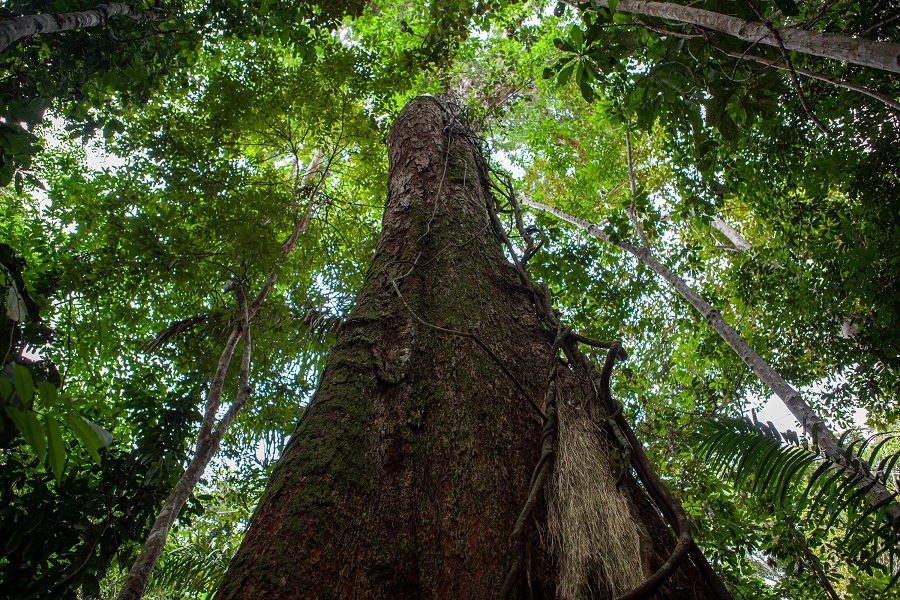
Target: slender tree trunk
column 17, row 28
column 878, row 55
column 810, row 421
column 406, row 475
column 211, row 433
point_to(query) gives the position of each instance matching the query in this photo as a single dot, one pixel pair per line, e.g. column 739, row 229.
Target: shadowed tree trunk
column 17, row 28
column 406, row 475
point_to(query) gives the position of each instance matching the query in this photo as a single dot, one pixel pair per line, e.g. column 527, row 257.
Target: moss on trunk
column 406, row 475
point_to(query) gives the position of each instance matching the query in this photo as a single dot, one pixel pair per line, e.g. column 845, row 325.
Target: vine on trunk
column 598, row 381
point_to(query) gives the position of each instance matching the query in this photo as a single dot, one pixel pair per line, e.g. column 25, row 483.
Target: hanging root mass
column 589, row 520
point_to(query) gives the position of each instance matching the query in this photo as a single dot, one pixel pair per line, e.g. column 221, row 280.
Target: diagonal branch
column 813, row 75
column 790, row 65
column 17, row 28
column 207, row 445
column 208, row 438
column 867, row 53
column 630, row 210
column 792, row 399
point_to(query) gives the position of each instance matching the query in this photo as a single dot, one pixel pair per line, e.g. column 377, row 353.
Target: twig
column 809, row 23
column 813, row 75
column 630, row 210
column 790, row 65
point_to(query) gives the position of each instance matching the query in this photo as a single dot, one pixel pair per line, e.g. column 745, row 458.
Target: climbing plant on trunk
column 411, row 467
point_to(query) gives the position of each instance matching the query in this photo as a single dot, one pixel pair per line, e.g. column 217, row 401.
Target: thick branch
column 299, row 225
column 868, row 53
column 17, row 28
column 792, row 399
column 739, row 241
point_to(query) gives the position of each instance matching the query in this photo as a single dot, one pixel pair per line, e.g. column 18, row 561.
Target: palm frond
column 792, row 475
column 192, row 566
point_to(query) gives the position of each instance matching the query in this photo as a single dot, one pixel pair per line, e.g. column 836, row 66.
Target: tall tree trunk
column 17, row 28
column 868, row 53
column 406, row 475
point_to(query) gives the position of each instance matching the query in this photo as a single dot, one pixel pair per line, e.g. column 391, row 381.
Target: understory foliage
column 801, row 487
column 146, row 162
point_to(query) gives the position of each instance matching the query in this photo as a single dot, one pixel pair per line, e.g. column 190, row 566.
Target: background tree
column 199, row 143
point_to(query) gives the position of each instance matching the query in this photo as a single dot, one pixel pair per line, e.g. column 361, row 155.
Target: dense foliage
column 146, row 162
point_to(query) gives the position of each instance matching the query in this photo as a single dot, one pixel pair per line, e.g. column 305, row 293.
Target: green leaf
column 24, row 383
column 92, row 436
column 28, row 424
column 613, row 4
column 48, row 393
column 6, row 389
column 564, row 45
column 586, row 92
column 576, row 36
column 15, row 303
column 56, row 447
column 6, row 173
column 566, row 74
column 30, row 112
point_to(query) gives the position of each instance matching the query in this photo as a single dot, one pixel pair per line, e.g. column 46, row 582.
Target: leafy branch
column 796, row 476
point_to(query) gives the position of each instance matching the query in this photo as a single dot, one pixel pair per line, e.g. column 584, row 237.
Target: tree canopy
column 156, row 165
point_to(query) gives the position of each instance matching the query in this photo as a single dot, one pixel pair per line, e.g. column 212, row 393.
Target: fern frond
column 829, row 492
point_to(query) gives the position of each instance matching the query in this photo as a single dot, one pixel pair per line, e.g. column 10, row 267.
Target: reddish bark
column 406, row 475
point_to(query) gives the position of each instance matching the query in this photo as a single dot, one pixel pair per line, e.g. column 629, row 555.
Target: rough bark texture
column 15, row 29
column 869, row 53
column 406, row 475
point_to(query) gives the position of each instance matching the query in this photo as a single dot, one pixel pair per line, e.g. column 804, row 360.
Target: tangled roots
column 589, row 520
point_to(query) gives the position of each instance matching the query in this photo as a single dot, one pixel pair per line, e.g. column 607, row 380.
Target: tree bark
column 17, row 28
column 408, row 471
column 736, row 239
column 869, row 53
column 791, row 398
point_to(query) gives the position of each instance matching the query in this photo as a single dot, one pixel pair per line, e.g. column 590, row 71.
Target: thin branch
column 819, row 15
column 790, row 65
column 208, row 440
column 813, row 75
column 299, row 228
column 244, row 390
column 207, row 443
column 630, row 210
